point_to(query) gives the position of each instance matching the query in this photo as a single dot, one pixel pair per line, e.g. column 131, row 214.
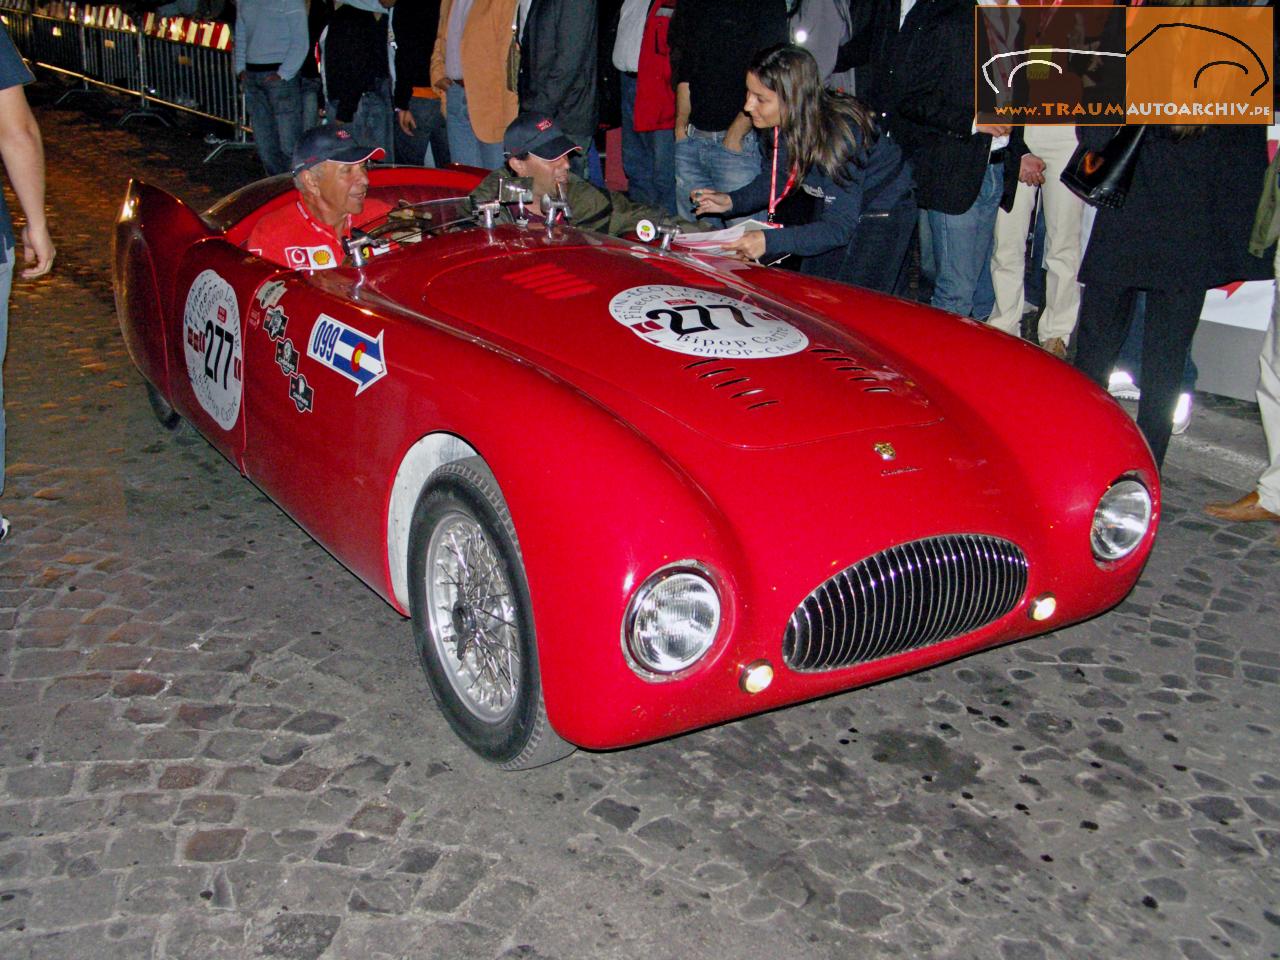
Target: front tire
column 472, row 620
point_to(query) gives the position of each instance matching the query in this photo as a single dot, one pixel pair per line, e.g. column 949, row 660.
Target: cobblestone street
column 216, row 743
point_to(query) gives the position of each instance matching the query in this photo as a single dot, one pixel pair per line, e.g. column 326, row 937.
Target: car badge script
column 357, row 356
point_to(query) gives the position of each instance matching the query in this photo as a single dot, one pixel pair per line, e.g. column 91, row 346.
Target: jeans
column 962, row 251
column 429, row 135
column 374, row 119
column 464, row 146
column 6, row 279
column 702, row 161
column 275, row 112
column 876, row 257
column 648, row 157
column 312, row 97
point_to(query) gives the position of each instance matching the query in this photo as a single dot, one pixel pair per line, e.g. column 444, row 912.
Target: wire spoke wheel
column 469, row 602
column 473, row 620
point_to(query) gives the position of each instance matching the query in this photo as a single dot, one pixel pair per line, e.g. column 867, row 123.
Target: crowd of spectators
column 707, row 120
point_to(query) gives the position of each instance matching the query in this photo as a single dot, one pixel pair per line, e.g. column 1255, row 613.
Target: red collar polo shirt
column 293, row 238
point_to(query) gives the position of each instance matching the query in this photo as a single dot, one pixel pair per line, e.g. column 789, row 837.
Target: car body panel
column 618, row 450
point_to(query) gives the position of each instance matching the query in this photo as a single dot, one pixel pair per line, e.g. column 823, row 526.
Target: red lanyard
column 774, row 198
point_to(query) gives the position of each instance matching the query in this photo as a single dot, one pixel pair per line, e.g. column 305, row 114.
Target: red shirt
column 293, row 238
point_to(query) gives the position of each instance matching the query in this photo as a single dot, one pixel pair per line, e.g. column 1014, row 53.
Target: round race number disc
column 704, row 323
column 211, row 341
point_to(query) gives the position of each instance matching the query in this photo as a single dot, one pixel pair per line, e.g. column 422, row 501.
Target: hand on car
column 710, row 201
column 748, row 247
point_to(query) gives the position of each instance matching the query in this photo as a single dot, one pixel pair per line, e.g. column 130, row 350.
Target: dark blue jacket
column 879, row 184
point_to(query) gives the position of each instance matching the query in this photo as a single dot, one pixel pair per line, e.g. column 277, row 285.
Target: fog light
column 1043, row 606
column 756, row 676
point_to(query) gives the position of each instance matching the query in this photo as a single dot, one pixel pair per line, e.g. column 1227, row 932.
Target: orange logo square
column 1199, row 64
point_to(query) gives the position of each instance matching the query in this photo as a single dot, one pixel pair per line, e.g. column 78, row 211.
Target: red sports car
column 624, row 491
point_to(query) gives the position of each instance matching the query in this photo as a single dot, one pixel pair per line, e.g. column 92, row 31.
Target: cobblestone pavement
column 216, row 743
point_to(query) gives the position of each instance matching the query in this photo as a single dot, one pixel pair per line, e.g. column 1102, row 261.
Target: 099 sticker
column 704, row 323
column 213, row 348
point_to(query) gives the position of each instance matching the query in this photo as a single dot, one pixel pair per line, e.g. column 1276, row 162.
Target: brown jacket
column 485, row 42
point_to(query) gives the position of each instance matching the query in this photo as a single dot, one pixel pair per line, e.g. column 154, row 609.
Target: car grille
column 906, row 597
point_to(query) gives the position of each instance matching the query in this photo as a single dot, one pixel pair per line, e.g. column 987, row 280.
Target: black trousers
column 1172, row 315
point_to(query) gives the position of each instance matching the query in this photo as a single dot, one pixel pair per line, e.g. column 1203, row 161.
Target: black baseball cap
column 538, row 134
column 330, row 143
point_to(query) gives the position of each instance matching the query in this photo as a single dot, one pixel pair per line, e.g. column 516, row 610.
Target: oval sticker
column 703, row 323
column 212, row 344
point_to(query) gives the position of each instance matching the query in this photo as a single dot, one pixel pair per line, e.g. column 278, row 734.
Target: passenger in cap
column 330, row 171
column 536, row 149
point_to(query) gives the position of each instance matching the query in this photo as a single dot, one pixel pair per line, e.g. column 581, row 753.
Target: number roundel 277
column 212, row 344
column 704, row 323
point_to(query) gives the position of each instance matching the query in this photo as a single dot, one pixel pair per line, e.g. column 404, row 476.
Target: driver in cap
column 537, row 150
column 330, row 171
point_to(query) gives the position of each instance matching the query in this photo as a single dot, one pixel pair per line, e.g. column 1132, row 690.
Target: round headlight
column 1121, row 520
column 672, row 620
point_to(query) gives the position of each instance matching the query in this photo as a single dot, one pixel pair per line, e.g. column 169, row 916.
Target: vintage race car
column 624, row 491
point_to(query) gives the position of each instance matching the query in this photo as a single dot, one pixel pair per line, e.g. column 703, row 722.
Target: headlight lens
column 672, row 620
column 1121, row 520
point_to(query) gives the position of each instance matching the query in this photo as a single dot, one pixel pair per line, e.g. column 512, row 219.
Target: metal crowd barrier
column 176, row 62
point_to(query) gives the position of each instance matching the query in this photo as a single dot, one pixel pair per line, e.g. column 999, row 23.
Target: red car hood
column 727, row 360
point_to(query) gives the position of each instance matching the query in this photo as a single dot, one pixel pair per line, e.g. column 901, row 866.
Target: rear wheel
column 472, row 621
column 169, row 418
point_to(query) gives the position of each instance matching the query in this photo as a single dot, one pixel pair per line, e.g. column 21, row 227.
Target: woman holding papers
column 838, row 193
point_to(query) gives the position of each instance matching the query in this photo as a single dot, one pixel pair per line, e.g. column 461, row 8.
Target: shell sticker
column 703, row 323
column 213, row 346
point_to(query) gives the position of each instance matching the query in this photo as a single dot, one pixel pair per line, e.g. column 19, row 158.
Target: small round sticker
column 704, row 323
column 212, row 344
column 646, row 231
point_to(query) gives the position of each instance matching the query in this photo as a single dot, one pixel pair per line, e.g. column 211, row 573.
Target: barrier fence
column 177, row 62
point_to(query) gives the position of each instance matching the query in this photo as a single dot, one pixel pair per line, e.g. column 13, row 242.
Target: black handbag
column 1103, row 177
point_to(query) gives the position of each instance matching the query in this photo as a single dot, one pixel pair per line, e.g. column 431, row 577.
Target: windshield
column 413, row 222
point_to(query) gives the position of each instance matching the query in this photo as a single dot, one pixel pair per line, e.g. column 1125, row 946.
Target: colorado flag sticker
column 355, row 355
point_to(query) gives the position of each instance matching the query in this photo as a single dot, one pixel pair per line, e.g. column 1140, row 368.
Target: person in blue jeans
column 712, row 44
column 22, row 151
column 271, row 43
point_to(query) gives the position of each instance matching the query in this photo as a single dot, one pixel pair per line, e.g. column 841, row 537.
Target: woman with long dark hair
column 838, row 191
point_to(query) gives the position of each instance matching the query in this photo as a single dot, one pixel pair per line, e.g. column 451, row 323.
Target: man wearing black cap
column 536, row 149
column 329, row 170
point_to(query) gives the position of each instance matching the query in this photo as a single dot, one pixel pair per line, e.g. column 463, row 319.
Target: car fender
column 145, row 273
column 573, row 496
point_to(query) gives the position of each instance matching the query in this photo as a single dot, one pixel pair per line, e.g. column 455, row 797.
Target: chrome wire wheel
column 473, row 617
column 473, row 622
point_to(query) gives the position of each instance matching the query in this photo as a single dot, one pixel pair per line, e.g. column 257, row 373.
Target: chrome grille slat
column 937, row 612
column 909, row 596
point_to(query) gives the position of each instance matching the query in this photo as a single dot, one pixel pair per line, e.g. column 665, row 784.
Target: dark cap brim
column 352, row 154
column 554, row 149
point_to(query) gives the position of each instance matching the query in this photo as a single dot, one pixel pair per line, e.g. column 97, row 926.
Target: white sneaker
column 4, row 528
column 1182, row 413
column 1122, row 387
